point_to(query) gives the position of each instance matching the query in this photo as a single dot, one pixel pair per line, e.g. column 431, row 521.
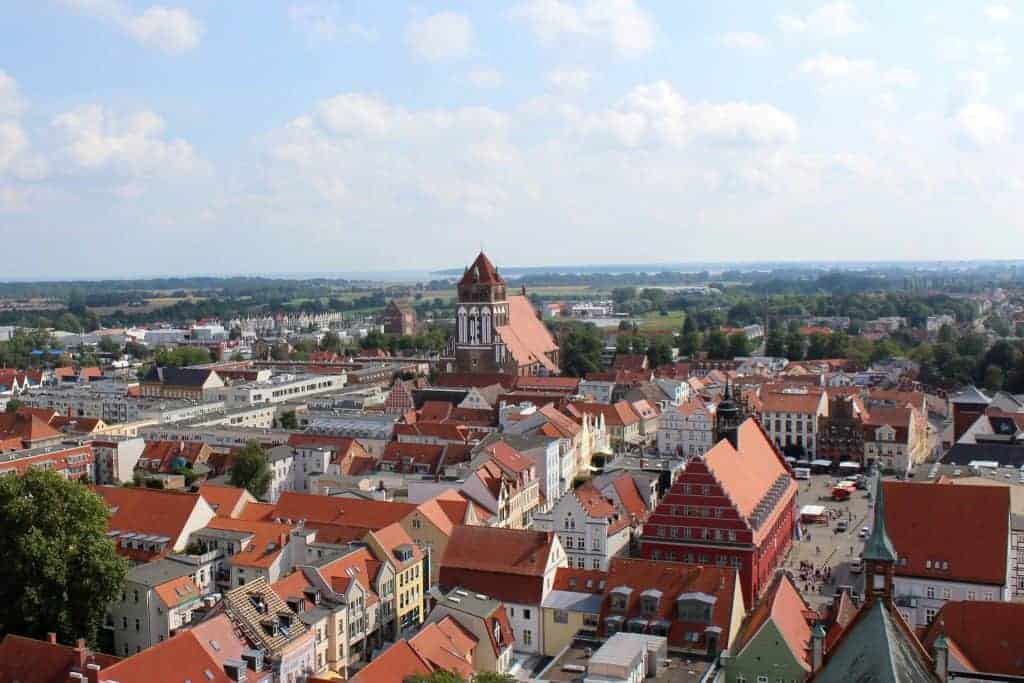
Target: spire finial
column 879, row 546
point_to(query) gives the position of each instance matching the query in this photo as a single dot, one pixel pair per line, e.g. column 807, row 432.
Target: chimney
column 92, row 672
column 817, row 647
column 941, row 652
column 81, row 652
column 51, row 638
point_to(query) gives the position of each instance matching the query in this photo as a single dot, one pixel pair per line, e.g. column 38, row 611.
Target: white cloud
column 833, row 20
column 659, row 113
column 170, row 29
column 576, row 80
column 441, row 36
column 983, row 124
column 11, row 102
column 619, row 24
column 832, row 70
column 485, row 77
column 320, row 22
column 93, row 138
column 744, row 41
column 13, row 142
column 999, row 13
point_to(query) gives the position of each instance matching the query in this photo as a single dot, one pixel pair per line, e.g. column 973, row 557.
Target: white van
column 802, row 473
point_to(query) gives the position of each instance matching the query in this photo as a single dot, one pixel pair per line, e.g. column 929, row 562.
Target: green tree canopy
column 717, row 345
column 775, row 343
column 60, row 571
column 251, row 470
column 739, row 345
column 288, row 420
column 659, row 352
column 581, row 351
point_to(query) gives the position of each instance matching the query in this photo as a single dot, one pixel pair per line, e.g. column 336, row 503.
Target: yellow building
column 393, row 545
column 573, row 605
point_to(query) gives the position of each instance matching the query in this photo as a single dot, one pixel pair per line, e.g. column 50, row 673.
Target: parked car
column 842, row 526
column 864, row 531
column 856, row 567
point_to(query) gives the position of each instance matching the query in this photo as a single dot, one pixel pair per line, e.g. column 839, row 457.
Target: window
column 526, row 614
column 561, row 616
column 971, row 595
column 138, row 625
column 929, row 614
column 988, row 595
column 596, row 564
column 527, row 637
column 930, row 592
column 762, row 678
column 947, row 594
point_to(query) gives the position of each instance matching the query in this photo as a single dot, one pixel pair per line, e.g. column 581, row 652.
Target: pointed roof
column 971, row 395
column 482, row 271
column 878, row 647
column 879, row 547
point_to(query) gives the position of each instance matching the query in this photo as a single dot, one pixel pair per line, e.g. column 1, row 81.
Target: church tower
column 729, row 415
column 879, row 555
column 482, row 308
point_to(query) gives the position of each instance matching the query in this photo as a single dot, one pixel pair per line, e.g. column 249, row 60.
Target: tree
column 659, row 352
column 581, row 351
column 623, row 294
column 689, row 343
column 795, row 345
column 994, row 378
column 739, row 345
column 14, row 404
column 838, row 345
column 688, row 325
column 109, row 346
column 250, row 470
column 289, row 420
column 775, row 343
column 60, row 571
column 330, row 342
column 716, row 345
column 817, row 346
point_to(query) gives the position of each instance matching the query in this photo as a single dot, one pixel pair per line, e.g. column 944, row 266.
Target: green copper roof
column 878, row 546
column 874, row 649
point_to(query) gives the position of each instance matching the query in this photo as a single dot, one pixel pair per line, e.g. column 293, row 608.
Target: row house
column 482, row 619
column 157, row 599
column 699, row 609
column 733, row 508
column 791, row 417
column 348, row 603
column 116, row 458
column 621, row 421
column 952, row 542
column 554, row 463
column 268, row 624
column 688, row 429
column 573, row 440
column 895, row 438
column 246, row 549
column 592, row 530
column 193, row 384
column 504, row 482
column 76, row 462
column 514, row 566
column 167, row 457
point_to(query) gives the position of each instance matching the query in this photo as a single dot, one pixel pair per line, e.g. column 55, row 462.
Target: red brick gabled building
column 735, row 507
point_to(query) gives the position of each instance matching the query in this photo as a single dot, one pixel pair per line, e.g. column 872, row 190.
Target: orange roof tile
column 367, row 514
column 525, row 336
column 395, row 665
column 786, row 608
column 269, row 538
column 177, row 591
column 447, row 646
column 223, row 499
column 149, row 511
column 989, row 634
column 26, row 660
column 172, row 661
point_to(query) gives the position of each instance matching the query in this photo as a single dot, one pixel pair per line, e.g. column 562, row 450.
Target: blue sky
column 330, row 136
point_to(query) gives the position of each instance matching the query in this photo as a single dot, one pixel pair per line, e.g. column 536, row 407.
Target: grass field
column 655, row 322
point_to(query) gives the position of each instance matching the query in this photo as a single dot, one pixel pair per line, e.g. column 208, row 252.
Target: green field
column 655, row 322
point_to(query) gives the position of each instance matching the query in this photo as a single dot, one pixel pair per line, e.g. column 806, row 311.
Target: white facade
column 115, row 460
column 920, row 599
column 585, row 539
column 799, row 428
column 279, row 389
column 688, row 430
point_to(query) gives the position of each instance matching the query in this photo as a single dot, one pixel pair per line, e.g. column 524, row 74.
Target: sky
column 228, row 137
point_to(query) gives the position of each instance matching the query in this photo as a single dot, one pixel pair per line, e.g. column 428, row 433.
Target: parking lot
column 825, row 549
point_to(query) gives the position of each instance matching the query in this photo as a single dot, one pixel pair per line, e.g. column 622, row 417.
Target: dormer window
column 620, row 598
column 650, row 599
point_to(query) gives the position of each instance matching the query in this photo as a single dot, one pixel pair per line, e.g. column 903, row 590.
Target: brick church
column 498, row 333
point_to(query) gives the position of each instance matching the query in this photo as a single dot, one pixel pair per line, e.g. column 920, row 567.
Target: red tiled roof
column 339, row 444
column 29, row 428
column 391, row 538
column 172, row 661
column 532, row 383
column 366, row 514
column 177, row 591
column 580, row 580
column 619, row 414
column 465, row 380
column 26, row 660
column 223, row 499
column 964, row 526
column 629, row 496
column 268, row 540
column 395, row 665
column 779, row 402
column 405, row 456
column 506, row 563
column 149, row 511
column 786, row 608
column 674, row 579
column 990, row 635
column 481, row 271
column 447, row 646
column 218, row 638
column 747, row 474
column 525, row 336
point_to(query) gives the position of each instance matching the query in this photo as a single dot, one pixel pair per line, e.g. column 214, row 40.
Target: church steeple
column 879, row 554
